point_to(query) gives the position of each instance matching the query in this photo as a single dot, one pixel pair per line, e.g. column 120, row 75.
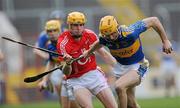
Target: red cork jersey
column 68, row 45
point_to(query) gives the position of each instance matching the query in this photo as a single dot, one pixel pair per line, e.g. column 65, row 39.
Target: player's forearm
column 160, row 30
column 107, row 57
column 42, row 54
column 67, row 69
column 157, row 26
column 94, row 47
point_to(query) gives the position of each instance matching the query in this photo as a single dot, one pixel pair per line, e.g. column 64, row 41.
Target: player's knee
column 120, row 88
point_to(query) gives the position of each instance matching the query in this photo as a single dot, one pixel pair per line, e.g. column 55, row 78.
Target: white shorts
column 65, row 92
column 120, row 69
column 56, row 77
column 94, row 81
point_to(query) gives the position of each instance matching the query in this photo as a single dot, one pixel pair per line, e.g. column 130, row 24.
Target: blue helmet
column 57, row 14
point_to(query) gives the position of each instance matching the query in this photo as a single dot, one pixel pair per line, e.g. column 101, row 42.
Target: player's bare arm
column 106, row 56
column 42, row 54
column 67, row 66
column 67, row 69
column 157, row 26
column 96, row 45
column 44, row 80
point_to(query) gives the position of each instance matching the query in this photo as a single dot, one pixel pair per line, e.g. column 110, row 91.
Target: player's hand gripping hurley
column 37, row 77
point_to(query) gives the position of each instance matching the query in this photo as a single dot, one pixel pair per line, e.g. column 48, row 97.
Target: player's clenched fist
column 85, row 54
column 45, row 85
column 67, row 58
column 167, row 47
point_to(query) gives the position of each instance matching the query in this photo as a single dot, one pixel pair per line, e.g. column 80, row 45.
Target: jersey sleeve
column 93, row 37
column 102, row 41
column 138, row 28
column 60, row 47
column 52, row 57
column 42, row 40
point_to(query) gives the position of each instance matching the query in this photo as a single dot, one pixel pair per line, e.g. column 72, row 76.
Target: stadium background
column 24, row 20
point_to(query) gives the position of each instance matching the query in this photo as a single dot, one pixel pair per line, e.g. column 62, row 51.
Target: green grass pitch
column 144, row 103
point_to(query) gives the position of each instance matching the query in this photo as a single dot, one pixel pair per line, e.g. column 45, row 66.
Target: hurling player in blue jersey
column 43, row 37
column 52, row 29
column 43, row 40
column 125, row 45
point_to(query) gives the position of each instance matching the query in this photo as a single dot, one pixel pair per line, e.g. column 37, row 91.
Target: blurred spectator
column 169, row 68
column 1, row 56
column 2, row 88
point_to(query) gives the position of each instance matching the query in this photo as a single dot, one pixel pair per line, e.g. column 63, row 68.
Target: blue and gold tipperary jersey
column 127, row 49
column 52, row 57
column 42, row 40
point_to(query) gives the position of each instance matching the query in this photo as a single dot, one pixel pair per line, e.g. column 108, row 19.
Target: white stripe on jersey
column 62, row 45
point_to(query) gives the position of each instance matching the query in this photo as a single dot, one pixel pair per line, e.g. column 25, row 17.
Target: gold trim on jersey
column 125, row 30
column 125, row 33
column 127, row 52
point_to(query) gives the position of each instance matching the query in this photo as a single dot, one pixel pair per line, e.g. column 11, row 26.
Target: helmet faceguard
column 108, row 25
column 53, row 30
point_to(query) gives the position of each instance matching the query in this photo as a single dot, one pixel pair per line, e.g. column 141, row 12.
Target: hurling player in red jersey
column 83, row 77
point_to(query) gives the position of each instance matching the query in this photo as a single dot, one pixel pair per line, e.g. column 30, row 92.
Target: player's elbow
column 155, row 21
column 154, row 18
column 151, row 21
